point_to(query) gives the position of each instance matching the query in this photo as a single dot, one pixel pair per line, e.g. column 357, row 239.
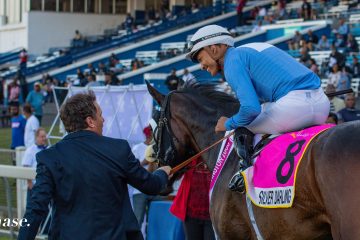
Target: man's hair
column 27, row 109
column 333, row 116
column 38, row 131
column 76, row 109
column 349, row 95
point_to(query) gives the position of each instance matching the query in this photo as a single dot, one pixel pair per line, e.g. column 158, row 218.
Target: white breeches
column 294, row 111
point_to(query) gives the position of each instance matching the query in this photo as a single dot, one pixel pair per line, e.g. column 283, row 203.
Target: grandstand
column 149, row 49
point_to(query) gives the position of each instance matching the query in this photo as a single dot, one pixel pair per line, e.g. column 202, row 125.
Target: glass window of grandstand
column 120, row 6
column 198, row 2
column 107, row 6
column 50, row 5
column 64, row 5
column 92, row 6
column 79, row 6
column 35, row 5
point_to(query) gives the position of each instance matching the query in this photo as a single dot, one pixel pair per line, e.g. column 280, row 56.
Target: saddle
column 270, row 182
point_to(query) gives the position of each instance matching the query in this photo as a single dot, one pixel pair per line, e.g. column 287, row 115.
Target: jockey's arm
column 238, row 77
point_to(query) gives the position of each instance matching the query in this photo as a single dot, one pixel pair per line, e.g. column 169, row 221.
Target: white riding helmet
column 206, row 36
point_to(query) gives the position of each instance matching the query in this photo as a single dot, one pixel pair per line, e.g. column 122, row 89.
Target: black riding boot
column 243, row 140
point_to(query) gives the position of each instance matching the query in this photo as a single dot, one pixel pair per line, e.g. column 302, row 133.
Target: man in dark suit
column 85, row 176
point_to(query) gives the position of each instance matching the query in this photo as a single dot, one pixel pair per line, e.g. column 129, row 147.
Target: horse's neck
column 204, row 139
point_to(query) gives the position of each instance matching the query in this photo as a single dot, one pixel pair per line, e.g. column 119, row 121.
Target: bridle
column 164, row 125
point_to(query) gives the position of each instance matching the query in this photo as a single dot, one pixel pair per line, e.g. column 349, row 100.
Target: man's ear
column 90, row 122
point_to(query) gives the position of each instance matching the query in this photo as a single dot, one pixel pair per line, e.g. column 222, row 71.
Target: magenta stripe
column 221, row 161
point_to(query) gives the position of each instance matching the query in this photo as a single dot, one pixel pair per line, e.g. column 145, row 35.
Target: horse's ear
column 158, row 97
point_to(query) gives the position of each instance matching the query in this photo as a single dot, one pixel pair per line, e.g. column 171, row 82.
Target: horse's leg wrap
column 244, row 148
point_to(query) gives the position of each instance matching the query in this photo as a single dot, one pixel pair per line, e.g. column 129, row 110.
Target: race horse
column 327, row 199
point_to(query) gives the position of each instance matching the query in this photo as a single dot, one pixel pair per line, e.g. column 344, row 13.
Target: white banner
column 126, row 110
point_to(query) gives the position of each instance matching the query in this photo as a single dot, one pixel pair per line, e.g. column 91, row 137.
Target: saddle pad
column 270, row 182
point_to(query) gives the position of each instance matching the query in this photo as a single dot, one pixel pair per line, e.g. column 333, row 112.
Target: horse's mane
column 210, row 93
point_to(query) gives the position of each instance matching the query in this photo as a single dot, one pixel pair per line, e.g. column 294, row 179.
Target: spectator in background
column 257, row 27
column 29, row 158
column 23, row 84
column 191, row 204
column 305, row 56
column 355, row 67
column 313, row 66
column 351, row 44
column 172, row 81
column 113, row 60
column 336, row 58
column 345, row 80
column 262, row 13
column 280, row 12
column 102, row 68
column 32, row 124
column 187, row 76
column 332, row 118
column 336, row 103
column 334, row 76
column 349, row 113
column 136, row 64
column 141, row 200
column 77, row 41
column 306, row 10
column 194, row 7
column 239, row 11
column 36, row 101
column 343, row 29
column 111, row 79
column 13, row 91
column 81, row 78
column 91, row 70
column 92, row 81
column 48, row 88
column 254, row 13
column 339, row 41
column 151, row 15
column 23, row 61
column 294, row 43
column 128, row 23
column 17, row 126
column 323, row 44
column 312, row 40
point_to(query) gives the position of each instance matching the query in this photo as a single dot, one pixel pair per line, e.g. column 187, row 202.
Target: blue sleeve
column 238, row 77
column 36, row 211
column 140, row 178
column 28, row 98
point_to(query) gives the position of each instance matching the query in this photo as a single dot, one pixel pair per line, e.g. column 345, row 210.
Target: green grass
column 4, row 238
column 5, row 137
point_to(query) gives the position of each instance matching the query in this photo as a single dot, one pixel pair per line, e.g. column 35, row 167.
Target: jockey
column 259, row 72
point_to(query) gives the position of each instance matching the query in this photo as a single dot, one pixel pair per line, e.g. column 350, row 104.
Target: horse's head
column 172, row 140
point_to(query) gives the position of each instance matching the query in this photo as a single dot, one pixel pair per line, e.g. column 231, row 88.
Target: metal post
column 9, row 207
column 20, row 185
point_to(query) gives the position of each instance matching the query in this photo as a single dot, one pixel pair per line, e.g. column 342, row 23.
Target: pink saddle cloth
column 270, row 182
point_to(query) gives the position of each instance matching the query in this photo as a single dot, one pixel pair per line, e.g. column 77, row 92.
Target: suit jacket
column 85, row 176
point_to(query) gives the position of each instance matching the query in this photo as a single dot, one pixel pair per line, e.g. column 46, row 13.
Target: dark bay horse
column 327, row 199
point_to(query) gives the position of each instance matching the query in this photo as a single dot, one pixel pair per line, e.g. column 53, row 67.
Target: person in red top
column 239, row 10
column 23, row 60
column 191, row 204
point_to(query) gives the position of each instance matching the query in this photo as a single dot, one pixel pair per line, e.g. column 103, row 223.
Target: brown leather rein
column 189, row 160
